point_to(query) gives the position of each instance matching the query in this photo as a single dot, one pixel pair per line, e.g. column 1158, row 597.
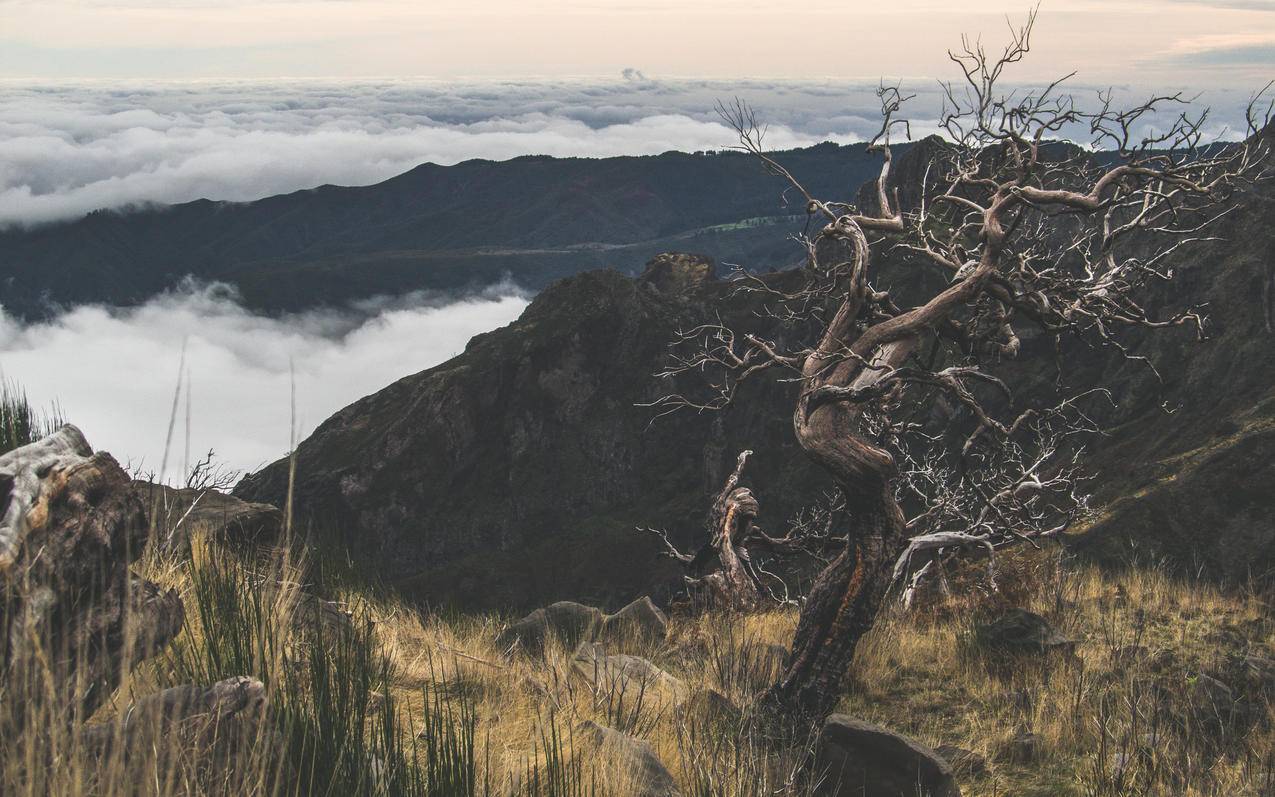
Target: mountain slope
column 434, row 227
column 515, row 473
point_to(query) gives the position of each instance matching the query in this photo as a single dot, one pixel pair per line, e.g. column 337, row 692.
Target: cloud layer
column 73, row 148
column 114, row 372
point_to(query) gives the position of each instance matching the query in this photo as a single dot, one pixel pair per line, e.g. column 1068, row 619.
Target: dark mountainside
column 515, row 473
column 535, row 219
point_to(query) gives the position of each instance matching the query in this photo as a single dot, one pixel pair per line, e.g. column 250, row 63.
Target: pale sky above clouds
column 1195, row 42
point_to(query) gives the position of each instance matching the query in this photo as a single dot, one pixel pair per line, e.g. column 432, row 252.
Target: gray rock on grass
column 854, row 758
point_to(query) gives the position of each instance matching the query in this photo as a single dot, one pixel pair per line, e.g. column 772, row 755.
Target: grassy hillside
column 403, row 701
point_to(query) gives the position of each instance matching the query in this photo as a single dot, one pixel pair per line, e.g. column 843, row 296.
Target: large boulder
column 72, row 613
column 678, row 273
column 854, row 758
column 629, row 765
column 639, row 623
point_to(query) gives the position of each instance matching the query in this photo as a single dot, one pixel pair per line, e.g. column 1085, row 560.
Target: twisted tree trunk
column 841, row 607
column 843, row 603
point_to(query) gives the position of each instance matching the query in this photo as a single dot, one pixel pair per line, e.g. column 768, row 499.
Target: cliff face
column 515, row 473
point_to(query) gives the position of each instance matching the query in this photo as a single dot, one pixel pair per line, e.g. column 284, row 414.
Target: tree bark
column 843, row 603
column 734, row 585
column 842, row 606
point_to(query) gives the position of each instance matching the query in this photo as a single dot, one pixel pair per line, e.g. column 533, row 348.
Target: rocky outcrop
column 513, row 475
column 858, row 759
column 632, row 678
column 1019, row 632
column 566, row 621
column 73, row 614
column 640, row 622
column 180, row 514
column 678, row 273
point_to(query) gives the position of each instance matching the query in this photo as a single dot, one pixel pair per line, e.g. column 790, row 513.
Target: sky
column 1206, row 41
column 125, row 103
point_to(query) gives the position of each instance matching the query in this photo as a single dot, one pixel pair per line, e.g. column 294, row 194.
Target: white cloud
column 114, row 371
column 73, row 148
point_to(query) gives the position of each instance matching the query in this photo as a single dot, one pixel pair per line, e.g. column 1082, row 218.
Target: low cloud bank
column 114, row 371
column 73, row 148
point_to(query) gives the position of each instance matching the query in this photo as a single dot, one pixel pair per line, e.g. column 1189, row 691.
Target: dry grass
column 1114, row 719
column 919, row 674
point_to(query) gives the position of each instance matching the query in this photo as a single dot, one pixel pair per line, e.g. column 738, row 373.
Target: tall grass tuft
column 339, row 729
column 20, row 423
column 552, row 771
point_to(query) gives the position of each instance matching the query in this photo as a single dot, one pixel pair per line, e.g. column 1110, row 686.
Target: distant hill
column 535, row 219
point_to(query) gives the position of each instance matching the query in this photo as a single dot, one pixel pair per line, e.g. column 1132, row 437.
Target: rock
column 629, row 766
column 641, row 621
column 677, row 272
column 70, row 527
column 965, row 763
column 711, row 706
column 631, row 676
column 206, row 719
column 1210, row 700
column 858, row 759
column 180, row 514
column 1021, row 748
column 1020, row 632
column 1256, row 674
column 565, row 620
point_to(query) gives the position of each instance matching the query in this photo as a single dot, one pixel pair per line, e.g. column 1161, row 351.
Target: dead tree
column 1022, row 229
column 728, row 571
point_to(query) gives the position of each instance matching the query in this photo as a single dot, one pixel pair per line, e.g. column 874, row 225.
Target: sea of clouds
column 114, row 372
column 72, row 148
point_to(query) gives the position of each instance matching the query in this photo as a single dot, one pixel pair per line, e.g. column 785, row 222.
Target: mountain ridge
column 534, row 218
